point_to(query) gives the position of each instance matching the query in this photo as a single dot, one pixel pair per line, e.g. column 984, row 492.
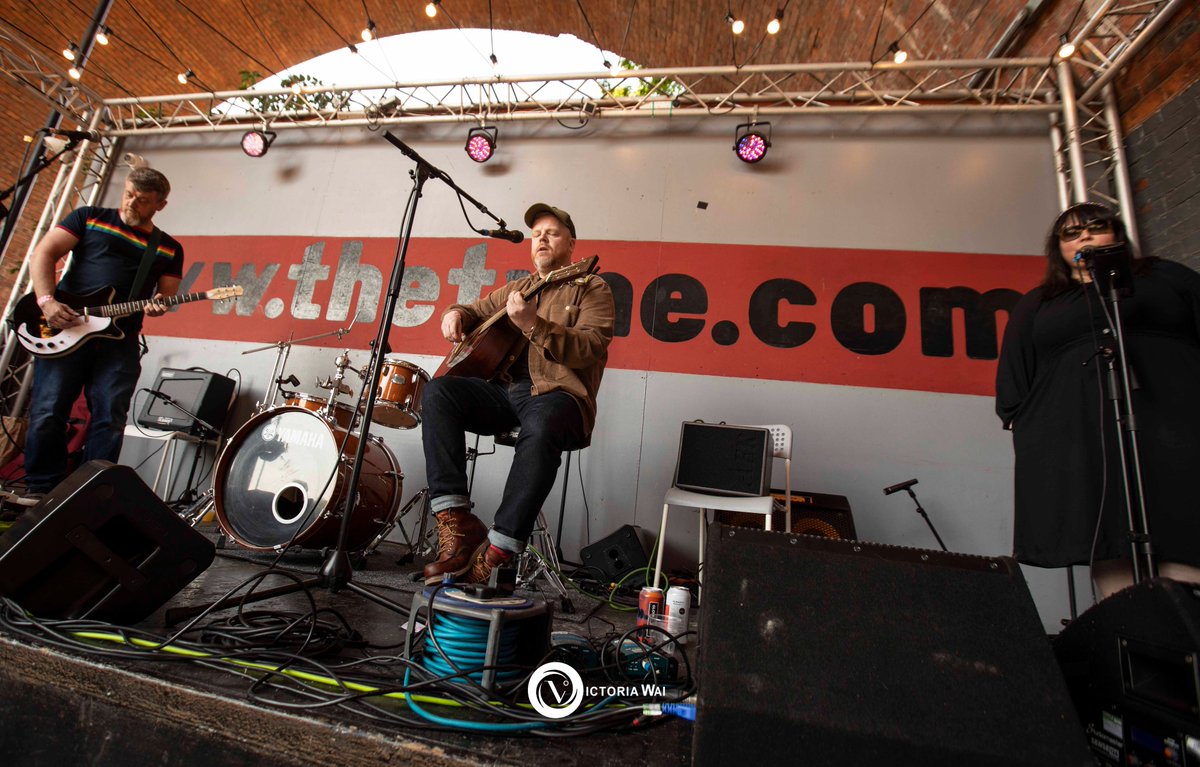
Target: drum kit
column 281, row 480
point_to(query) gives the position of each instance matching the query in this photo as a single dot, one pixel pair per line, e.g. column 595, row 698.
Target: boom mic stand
column 907, row 487
column 337, row 572
column 210, row 432
column 1112, row 276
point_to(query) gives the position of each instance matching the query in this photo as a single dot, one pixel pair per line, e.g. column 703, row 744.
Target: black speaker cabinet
column 1131, row 664
column 100, row 545
column 196, row 393
column 820, row 651
column 616, row 555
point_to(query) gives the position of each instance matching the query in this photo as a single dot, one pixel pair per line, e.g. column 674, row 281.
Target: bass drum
column 283, row 477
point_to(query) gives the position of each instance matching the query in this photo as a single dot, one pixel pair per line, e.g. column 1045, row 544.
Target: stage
column 69, row 699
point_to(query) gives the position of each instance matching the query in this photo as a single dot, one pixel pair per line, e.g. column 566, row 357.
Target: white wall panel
column 951, row 187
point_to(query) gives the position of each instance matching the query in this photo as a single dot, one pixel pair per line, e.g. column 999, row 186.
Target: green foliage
column 289, row 102
column 661, row 86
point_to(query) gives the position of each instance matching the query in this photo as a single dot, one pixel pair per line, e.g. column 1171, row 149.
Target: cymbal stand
column 282, row 351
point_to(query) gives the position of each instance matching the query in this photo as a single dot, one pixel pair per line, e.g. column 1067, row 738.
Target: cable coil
column 453, row 643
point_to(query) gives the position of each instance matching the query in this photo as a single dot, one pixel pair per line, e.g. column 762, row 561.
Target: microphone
column 291, row 380
column 1085, row 254
column 503, row 234
column 898, row 487
column 75, row 135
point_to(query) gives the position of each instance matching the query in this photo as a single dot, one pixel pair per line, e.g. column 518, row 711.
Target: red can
column 650, row 610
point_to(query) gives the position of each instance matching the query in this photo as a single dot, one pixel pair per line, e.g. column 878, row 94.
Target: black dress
column 1050, row 388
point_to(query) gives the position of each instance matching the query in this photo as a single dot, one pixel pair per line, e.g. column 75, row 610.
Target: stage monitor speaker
column 721, row 459
column 100, row 545
column 1131, row 664
column 819, row 651
column 825, row 516
column 617, row 555
column 198, row 392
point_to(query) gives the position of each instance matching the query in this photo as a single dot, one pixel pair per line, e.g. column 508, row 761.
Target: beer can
column 677, row 606
column 650, row 610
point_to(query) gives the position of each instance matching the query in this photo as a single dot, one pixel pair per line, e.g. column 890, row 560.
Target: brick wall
column 1159, row 97
column 1164, row 166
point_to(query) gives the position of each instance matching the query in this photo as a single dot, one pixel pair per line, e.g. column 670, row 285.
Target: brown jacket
column 568, row 346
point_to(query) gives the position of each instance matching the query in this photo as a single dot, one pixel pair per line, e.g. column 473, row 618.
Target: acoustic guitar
column 482, row 353
column 97, row 311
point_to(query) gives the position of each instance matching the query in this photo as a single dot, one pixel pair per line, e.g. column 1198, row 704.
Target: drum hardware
column 282, row 351
column 424, row 543
column 195, row 513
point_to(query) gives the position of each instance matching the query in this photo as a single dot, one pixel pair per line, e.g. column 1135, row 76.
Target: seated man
column 548, row 389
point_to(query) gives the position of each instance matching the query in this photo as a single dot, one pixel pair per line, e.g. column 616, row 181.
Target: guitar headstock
column 232, row 291
column 586, row 266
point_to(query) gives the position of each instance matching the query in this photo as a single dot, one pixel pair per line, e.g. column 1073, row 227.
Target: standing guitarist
column 548, row 388
column 108, row 248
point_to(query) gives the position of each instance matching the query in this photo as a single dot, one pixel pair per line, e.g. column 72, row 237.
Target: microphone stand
column 907, row 487
column 337, row 572
column 210, row 432
column 1107, row 281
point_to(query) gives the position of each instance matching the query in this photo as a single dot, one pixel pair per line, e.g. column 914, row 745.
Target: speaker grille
column 841, row 652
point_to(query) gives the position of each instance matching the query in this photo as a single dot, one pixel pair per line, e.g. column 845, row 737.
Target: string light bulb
column 737, row 26
column 1066, row 48
column 368, row 33
column 774, row 24
column 70, row 52
column 74, row 73
column 183, row 77
column 102, row 36
column 899, row 55
column 432, row 7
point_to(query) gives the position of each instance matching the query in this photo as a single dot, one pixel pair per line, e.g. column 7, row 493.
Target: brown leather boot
column 487, row 558
column 459, row 534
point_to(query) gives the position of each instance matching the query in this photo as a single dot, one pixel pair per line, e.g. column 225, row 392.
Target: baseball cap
column 541, row 208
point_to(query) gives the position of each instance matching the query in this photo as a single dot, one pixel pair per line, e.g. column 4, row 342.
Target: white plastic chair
column 781, row 438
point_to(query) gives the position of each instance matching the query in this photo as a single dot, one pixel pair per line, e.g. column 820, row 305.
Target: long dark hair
column 1058, row 277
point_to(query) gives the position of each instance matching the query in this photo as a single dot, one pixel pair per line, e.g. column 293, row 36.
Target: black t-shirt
column 109, row 253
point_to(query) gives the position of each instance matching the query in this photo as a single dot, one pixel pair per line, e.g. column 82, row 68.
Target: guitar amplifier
column 819, row 514
column 721, row 459
column 194, row 394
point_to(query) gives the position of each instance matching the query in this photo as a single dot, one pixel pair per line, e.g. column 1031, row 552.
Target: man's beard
column 131, row 218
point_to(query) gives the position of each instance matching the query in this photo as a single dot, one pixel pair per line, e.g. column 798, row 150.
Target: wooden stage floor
column 65, row 701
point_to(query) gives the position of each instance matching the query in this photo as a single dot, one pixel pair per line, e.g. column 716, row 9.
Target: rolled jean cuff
column 445, row 502
column 502, row 541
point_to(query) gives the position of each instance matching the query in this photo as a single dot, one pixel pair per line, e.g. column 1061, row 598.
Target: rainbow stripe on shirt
column 140, row 240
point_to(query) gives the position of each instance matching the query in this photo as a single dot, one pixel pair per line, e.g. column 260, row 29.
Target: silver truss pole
column 1120, row 164
column 1076, row 169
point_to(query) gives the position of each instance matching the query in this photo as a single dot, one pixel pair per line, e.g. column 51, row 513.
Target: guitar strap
column 144, row 266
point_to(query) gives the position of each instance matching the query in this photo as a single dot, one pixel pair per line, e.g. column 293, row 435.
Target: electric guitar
column 97, row 312
column 482, row 352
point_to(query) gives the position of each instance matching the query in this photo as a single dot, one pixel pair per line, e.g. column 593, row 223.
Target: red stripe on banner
column 890, row 319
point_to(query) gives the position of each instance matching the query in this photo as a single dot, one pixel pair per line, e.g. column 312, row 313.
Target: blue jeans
column 550, row 423
column 107, row 372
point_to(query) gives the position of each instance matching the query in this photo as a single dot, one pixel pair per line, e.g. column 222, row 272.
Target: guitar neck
column 129, row 307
